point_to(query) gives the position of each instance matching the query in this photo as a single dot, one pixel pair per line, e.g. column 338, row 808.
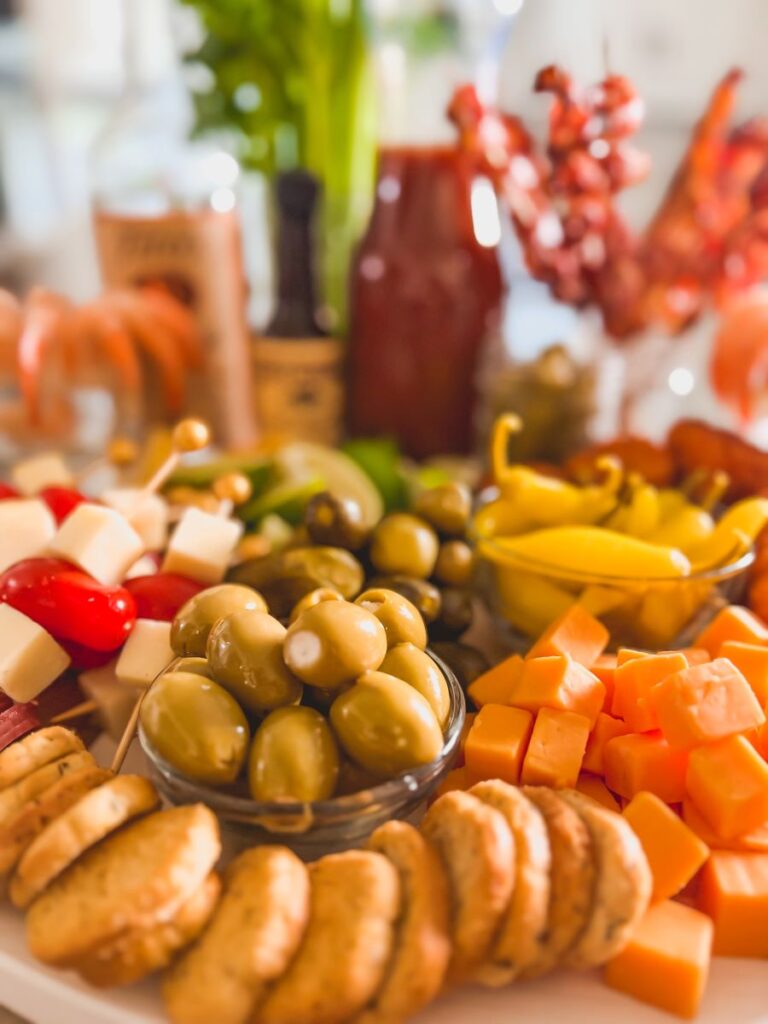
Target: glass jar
column 426, row 285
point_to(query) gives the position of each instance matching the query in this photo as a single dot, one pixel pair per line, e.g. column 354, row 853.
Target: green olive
column 446, row 507
column 196, row 726
column 455, row 562
column 401, row 619
column 421, row 593
column 416, row 668
column 198, row 666
column 385, row 725
column 456, row 614
column 466, row 661
column 335, row 521
column 293, row 757
column 403, row 543
column 333, row 643
column 326, row 566
column 193, row 622
column 245, row 652
column 314, row 597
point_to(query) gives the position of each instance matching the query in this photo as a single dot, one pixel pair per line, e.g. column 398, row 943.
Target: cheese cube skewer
column 147, row 513
column 31, row 475
column 202, row 546
column 30, row 659
column 146, row 653
column 98, row 540
column 27, row 527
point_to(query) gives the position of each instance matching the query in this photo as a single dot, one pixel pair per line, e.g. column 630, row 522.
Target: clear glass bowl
column 652, row 614
column 322, row 826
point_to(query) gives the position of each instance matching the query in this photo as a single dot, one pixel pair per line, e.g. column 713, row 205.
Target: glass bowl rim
column 521, row 563
column 395, row 791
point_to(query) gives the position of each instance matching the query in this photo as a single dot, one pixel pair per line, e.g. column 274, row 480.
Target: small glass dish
column 649, row 613
column 318, row 827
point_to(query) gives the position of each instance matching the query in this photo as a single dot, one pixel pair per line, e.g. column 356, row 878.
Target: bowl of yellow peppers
column 654, row 564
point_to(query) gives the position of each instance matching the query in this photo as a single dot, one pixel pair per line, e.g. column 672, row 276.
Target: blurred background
column 314, row 85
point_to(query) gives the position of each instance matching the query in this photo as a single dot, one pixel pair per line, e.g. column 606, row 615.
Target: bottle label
column 298, row 388
column 198, row 256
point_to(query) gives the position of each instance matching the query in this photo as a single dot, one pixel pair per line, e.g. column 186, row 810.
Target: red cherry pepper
column 67, row 602
column 161, row 595
column 6, row 491
column 62, row 500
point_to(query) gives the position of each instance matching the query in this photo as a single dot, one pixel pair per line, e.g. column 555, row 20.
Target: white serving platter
column 737, row 994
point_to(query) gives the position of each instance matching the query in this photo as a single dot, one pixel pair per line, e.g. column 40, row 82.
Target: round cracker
column 354, row 900
column 132, row 880
column 14, row 798
column 17, row 833
column 249, row 942
column 35, row 750
column 523, row 935
column 573, row 876
column 477, row 850
column 422, row 948
column 145, row 950
column 623, row 883
column 87, row 822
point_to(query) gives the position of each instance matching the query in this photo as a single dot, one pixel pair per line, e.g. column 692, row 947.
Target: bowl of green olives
column 315, row 728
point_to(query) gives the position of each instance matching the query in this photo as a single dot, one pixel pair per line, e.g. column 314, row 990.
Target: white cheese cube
column 147, row 565
column 100, row 541
column 30, row 659
column 26, row 529
column 115, row 701
column 147, row 652
column 31, row 475
column 147, row 513
column 202, row 546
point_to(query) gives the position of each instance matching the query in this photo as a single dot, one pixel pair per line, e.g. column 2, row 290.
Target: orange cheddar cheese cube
column 755, row 841
column 732, row 623
column 497, row 742
column 556, row 749
column 495, row 685
column 752, row 661
column 728, row 783
column 468, row 723
column 632, row 687
column 455, row 779
column 597, row 790
column 675, row 853
column 759, row 740
column 666, row 962
column 560, row 683
column 604, row 668
column 693, row 655
column 734, row 892
column 606, row 728
column 626, row 654
column 645, row 761
column 576, row 633
column 705, row 703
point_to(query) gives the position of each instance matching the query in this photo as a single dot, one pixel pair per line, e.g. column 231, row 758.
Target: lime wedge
column 300, row 462
column 286, row 500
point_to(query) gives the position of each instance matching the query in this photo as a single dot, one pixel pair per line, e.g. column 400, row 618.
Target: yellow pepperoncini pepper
column 529, row 499
column 687, row 528
column 590, row 550
column 733, row 535
column 640, row 515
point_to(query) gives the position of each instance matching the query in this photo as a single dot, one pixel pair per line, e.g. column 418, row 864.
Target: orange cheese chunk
column 705, row 703
column 693, row 655
column 732, row 623
column 468, row 723
column 455, row 779
column 666, row 962
column 560, row 683
column 606, row 728
column 626, row 654
column 632, row 687
column 728, row 783
column 576, row 633
column 759, row 740
column 675, row 853
column 497, row 742
column 495, row 685
column 597, row 790
column 755, row 841
column 605, row 668
column 645, row 761
column 734, row 892
column 752, row 661
column 556, row 749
